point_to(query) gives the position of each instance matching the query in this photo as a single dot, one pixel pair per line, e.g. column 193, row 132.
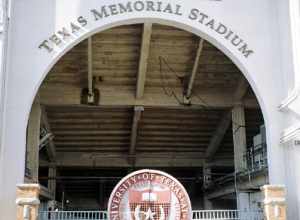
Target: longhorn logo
column 149, row 205
column 149, row 215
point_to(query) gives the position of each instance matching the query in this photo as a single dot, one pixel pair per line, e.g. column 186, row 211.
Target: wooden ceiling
column 115, row 63
column 167, row 127
column 116, row 55
column 100, row 129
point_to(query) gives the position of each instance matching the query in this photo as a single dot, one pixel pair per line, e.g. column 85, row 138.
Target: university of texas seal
column 149, row 195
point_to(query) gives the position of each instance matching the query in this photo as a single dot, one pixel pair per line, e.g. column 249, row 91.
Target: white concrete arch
column 210, row 38
column 29, row 66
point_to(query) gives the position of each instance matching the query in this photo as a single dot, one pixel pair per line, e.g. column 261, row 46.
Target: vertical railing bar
column 196, row 215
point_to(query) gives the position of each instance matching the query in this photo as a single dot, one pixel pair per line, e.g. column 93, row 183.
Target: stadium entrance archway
column 33, row 60
column 150, row 96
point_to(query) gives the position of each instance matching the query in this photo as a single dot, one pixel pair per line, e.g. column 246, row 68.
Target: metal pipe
column 63, row 200
column 90, row 71
column 195, row 68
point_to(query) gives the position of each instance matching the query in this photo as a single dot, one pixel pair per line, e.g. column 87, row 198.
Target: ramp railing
column 197, row 215
column 216, row 214
column 73, row 215
column 227, row 215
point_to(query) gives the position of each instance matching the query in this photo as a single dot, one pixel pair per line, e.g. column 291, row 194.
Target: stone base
column 27, row 201
column 274, row 202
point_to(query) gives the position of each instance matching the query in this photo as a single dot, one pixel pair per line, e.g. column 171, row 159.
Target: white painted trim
column 290, row 133
column 272, row 187
column 28, row 186
column 294, row 23
column 289, row 99
column 27, row 201
column 274, row 201
column 6, row 7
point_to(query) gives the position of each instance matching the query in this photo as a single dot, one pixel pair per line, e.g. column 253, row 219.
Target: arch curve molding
column 53, row 27
column 88, row 19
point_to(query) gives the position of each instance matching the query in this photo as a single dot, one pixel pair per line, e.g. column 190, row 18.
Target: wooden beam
column 220, row 163
column 90, row 71
column 225, row 122
column 218, row 136
column 194, row 71
column 70, row 95
column 45, row 193
column 158, row 159
column 243, row 185
column 223, row 191
column 241, row 90
column 134, row 129
column 143, row 63
column 50, row 148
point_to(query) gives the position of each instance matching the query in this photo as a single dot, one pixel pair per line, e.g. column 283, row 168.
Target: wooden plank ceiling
column 101, row 129
column 166, row 125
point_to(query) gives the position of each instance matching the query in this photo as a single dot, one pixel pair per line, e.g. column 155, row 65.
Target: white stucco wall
column 260, row 23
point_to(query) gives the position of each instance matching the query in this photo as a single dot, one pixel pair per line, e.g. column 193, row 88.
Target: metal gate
column 73, row 215
column 227, row 215
column 197, row 215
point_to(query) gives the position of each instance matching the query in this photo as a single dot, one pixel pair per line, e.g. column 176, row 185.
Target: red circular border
column 156, row 172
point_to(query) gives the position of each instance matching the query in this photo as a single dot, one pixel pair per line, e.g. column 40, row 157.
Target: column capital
column 27, row 201
column 28, row 190
column 28, row 186
column 274, row 202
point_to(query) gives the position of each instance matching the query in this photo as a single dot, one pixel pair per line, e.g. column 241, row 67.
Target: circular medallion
column 149, row 195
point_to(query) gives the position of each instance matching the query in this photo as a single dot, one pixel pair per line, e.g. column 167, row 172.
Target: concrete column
column 243, row 201
column 243, row 204
column 207, row 203
column 240, row 148
column 274, row 202
column 27, row 201
column 52, row 181
column 101, row 194
column 33, row 141
column 239, row 137
column 207, row 178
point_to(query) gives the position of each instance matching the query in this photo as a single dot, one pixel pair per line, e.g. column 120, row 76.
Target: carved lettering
column 105, row 11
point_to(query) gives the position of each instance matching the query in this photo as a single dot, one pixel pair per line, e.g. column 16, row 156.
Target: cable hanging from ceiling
column 168, row 90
